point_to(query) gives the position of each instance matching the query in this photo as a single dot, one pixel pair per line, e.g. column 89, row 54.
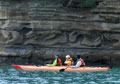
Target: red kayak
column 59, row 68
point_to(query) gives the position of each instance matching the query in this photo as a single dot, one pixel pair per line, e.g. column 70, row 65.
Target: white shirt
column 78, row 64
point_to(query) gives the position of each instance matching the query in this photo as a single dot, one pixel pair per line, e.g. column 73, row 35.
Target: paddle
column 111, row 63
column 62, row 70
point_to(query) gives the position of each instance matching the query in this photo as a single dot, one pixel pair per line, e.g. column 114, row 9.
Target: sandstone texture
column 33, row 31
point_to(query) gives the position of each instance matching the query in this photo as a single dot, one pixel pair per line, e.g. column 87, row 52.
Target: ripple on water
column 9, row 75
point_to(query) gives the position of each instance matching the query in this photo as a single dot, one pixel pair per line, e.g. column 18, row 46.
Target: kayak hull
column 58, row 68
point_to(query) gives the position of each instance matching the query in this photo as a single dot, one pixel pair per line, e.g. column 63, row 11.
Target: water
column 10, row 75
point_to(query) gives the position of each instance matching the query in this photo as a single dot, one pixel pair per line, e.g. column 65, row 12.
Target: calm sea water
column 10, row 75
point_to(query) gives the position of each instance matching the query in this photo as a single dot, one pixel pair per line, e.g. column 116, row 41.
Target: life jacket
column 82, row 62
column 59, row 62
column 69, row 61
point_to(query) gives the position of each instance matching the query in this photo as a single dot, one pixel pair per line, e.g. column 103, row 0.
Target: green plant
column 87, row 4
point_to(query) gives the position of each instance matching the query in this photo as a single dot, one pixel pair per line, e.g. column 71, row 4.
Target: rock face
column 35, row 30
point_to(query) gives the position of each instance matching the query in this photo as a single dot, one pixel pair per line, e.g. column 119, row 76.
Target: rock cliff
column 35, row 30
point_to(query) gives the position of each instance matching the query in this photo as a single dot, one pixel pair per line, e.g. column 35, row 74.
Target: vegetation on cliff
column 72, row 3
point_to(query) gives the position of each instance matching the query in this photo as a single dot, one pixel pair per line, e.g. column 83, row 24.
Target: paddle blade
column 61, row 70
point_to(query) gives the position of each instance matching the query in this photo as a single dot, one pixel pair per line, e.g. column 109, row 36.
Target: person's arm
column 54, row 63
column 77, row 65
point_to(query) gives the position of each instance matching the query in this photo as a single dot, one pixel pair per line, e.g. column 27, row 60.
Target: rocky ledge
column 33, row 31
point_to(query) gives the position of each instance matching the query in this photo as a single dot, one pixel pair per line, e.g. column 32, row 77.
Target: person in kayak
column 57, row 62
column 80, row 62
column 68, row 61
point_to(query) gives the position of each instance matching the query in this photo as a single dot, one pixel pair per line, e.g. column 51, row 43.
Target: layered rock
column 35, row 30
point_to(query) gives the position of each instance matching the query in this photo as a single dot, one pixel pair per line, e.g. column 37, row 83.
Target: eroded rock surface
column 35, row 30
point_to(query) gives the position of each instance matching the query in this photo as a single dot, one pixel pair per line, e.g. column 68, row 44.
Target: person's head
column 56, row 56
column 67, row 56
column 78, row 56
